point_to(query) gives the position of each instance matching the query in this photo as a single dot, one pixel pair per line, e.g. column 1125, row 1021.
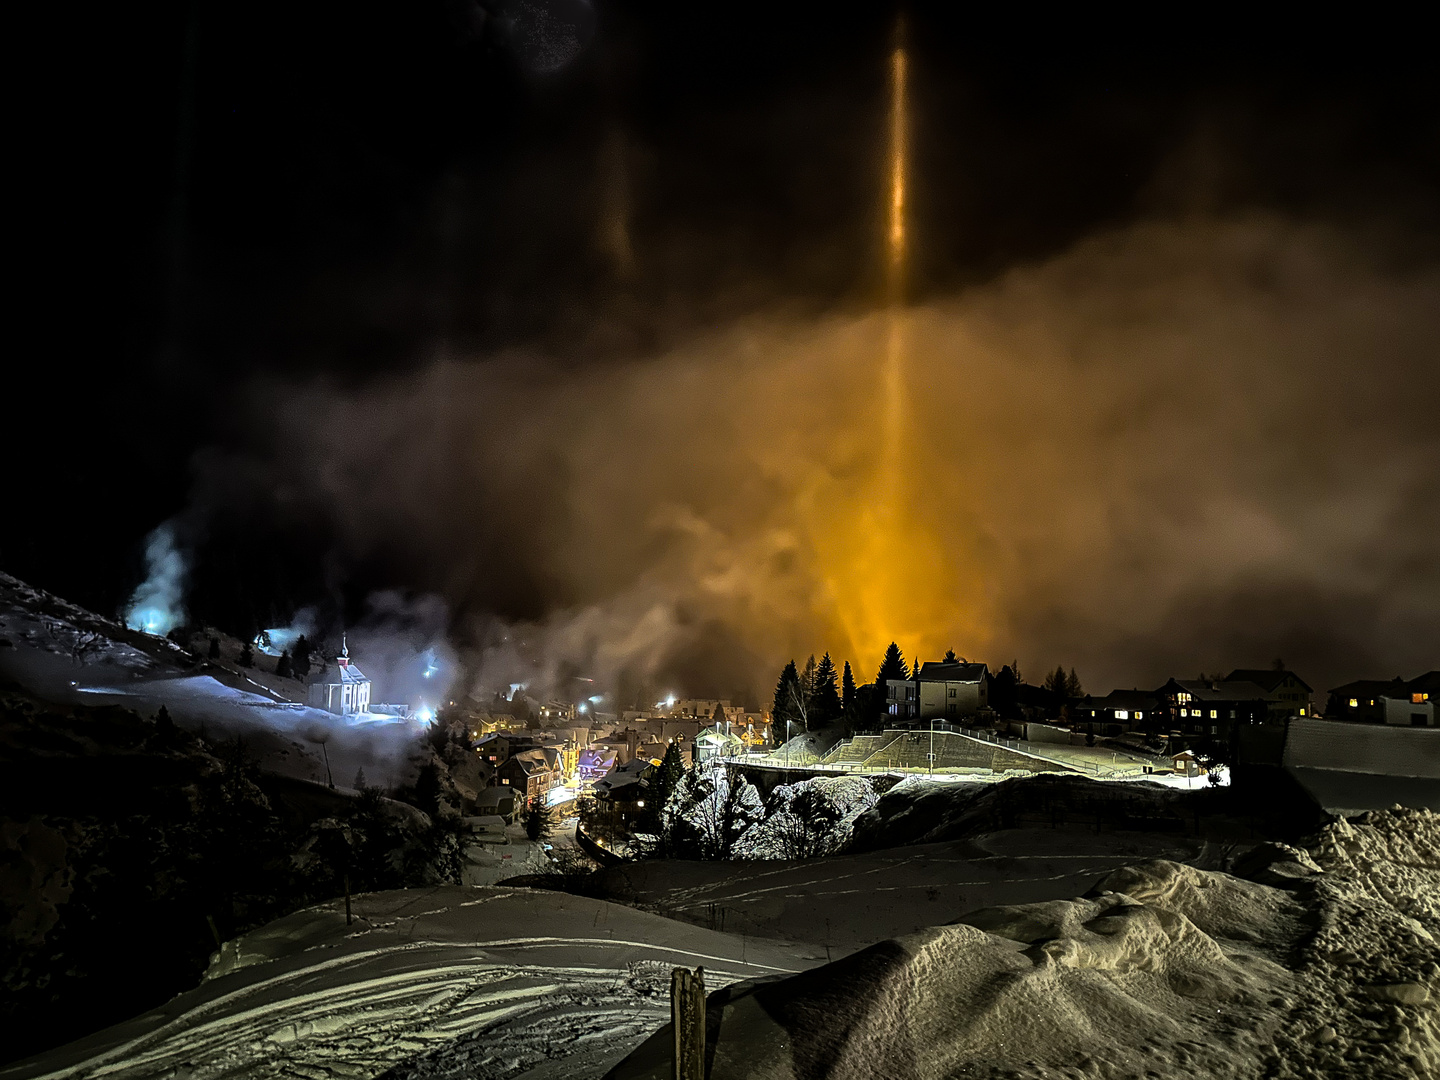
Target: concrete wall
column 1046, row 733
column 1363, row 748
column 1402, row 712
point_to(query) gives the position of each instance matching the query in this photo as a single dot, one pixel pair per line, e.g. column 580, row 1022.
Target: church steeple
column 344, row 658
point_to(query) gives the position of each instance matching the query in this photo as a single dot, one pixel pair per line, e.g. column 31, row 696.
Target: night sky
column 534, row 307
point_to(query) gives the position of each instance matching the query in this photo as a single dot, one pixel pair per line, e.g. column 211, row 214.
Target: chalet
column 595, row 762
column 1117, row 712
column 1290, row 696
column 939, row 691
column 1209, row 707
column 341, row 687
column 625, row 786
column 529, row 773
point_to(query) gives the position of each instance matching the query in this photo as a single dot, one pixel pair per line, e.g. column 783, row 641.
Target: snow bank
column 1161, row 971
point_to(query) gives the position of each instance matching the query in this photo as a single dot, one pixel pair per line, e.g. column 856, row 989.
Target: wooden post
column 687, row 1016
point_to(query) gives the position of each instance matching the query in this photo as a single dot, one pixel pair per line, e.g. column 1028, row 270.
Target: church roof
column 337, row 673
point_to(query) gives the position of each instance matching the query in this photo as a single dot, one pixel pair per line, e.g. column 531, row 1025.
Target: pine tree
column 214, row 648
column 824, row 694
column 663, row 785
column 246, row 657
column 847, row 690
column 788, row 700
column 1055, row 682
column 538, row 820
column 360, row 784
column 950, row 657
column 283, row 669
column 892, row 667
column 1073, row 689
column 300, row 659
column 807, row 683
column 1015, row 670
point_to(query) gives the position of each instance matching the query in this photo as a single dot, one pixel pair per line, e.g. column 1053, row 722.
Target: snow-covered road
column 443, row 982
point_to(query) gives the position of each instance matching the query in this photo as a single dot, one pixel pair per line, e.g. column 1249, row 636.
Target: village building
column 1213, row 708
column 715, row 743
column 1117, row 712
column 1289, row 694
column 939, row 691
column 530, row 773
column 341, row 687
column 1398, row 702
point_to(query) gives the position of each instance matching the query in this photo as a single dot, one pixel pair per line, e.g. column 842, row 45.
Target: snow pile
column 810, row 818
column 1161, row 971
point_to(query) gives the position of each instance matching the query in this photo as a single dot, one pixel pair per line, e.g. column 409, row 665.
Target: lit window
column 1139, row 715
column 1354, row 703
column 1182, row 697
column 1122, row 714
column 1184, row 712
column 1213, row 714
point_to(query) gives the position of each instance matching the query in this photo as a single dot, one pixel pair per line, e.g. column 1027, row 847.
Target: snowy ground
column 846, row 902
column 1323, row 964
column 484, row 983
column 68, row 655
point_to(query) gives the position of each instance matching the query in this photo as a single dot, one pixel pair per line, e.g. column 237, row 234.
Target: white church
column 341, row 687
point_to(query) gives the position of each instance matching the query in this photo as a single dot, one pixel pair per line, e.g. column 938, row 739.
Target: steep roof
column 1371, row 688
column 335, row 673
column 1268, row 678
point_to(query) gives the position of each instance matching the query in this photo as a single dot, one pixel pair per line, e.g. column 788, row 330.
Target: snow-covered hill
column 66, row 654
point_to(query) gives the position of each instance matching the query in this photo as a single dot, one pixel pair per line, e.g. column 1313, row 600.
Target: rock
column 1406, row 993
column 1325, row 1035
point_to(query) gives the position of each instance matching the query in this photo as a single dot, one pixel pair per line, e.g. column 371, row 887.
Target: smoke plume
column 1180, row 445
column 157, row 606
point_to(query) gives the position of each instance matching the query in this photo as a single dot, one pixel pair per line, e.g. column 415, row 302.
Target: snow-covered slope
column 1326, row 965
column 483, row 983
column 66, row 654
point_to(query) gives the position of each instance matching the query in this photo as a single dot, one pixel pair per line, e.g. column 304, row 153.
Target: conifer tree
column 824, row 694
column 283, row 669
column 950, row 657
column 1055, row 681
column 246, row 657
column 892, row 667
column 300, row 659
column 1073, row 689
column 214, row 648
column 847, row 689
column 788, row 699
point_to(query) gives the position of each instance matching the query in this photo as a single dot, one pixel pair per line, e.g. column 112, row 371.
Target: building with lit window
column 1398, row 702
column 940, row 691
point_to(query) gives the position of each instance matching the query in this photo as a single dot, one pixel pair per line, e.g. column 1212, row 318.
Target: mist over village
column 553, row 539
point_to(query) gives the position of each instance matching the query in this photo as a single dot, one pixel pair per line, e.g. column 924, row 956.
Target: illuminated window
column 1122, row 714
column 1213, row 714
column 1418, row 699
column 1182, row 697
column 1139, row 715
column 1184, row 712
column 1354, row 703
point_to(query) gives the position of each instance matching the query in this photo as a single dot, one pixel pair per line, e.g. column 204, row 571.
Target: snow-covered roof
column 335, row 673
